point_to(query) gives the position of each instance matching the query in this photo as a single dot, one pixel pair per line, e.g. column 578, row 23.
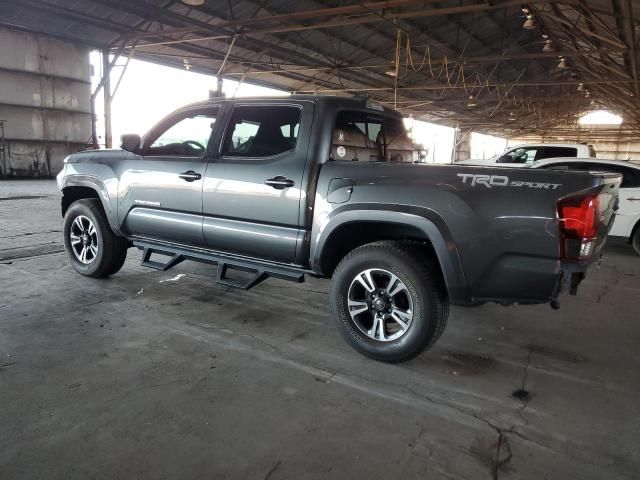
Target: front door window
column 186, row 137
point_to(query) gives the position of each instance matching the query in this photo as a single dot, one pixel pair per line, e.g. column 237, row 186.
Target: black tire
column 111, row 248
column 635, row 240
column 422, row 281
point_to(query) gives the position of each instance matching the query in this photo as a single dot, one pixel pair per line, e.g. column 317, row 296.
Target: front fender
column 423, row 219
column 106, row 190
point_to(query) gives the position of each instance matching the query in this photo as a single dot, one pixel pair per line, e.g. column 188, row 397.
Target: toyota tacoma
column 332, row 187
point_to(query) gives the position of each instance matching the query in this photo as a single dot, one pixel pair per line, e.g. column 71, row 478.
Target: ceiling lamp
column 580, row 87
column 530, row 23
column 392, row 71
column 187, row 64
column 193, row 3
column 472, row 102
column 563, row 64
column 587, row 94
column 548, row 46
column 512, row 117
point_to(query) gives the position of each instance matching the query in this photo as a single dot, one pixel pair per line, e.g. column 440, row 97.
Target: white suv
column 525, row 155
column 627, row 222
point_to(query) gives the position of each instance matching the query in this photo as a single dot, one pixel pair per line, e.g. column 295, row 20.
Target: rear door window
column 556, row 152
column 261, row 131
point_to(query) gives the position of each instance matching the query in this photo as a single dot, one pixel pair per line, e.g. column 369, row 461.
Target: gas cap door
column 339, row 190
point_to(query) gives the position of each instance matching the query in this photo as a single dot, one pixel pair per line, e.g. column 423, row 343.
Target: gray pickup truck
column 330, row 187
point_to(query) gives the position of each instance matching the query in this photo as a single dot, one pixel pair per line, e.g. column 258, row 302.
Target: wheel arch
column 353, row 228
column 634, row 229
column 77, row 187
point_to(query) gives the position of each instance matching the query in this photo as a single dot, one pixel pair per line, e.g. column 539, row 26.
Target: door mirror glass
column 130, row 142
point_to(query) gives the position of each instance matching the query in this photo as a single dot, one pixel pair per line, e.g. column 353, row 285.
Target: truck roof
column 571, row 145
column 354, row 102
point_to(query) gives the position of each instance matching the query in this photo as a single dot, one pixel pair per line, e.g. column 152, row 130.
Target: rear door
column 252, row 190
column 160, row 190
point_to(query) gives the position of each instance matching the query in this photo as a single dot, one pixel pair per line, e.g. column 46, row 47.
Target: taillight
column 578, row 220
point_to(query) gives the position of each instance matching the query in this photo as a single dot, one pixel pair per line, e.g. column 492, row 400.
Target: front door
column 252, row 191
column 160, row 190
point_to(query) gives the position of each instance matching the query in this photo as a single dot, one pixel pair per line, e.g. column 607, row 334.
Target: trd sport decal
column 491, row 181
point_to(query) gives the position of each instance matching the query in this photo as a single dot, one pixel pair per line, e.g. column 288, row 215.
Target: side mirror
column 130, row 142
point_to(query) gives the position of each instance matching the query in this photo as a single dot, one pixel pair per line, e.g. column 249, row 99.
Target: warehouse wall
column 45, row 102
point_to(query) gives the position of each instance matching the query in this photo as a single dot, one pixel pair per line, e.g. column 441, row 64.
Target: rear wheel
column 93, row 249
column 389, row 301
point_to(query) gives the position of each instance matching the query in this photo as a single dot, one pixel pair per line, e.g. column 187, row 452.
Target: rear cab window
column 360, row 136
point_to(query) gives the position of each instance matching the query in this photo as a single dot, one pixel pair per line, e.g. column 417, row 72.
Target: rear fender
column 428, row 222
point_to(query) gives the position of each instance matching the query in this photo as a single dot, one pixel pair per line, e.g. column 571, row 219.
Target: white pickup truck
column 526, row 155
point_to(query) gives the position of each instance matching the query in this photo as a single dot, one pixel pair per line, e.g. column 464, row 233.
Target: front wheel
column 389, row 301
column 93, row 249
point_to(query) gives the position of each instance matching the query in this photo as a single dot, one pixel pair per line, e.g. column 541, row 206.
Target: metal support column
column 106, row 71
column 3, row 152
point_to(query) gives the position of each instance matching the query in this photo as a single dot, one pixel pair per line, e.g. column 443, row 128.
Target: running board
column 225, row 263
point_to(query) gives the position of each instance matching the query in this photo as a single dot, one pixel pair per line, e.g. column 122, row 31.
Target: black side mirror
column 130, row 142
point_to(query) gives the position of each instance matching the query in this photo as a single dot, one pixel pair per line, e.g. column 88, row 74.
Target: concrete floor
column 168, row 375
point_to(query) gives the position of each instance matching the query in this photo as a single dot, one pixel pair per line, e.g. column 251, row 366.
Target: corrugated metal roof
column 464, row 62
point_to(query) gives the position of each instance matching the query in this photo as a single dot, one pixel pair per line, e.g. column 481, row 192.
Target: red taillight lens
column 579, row 218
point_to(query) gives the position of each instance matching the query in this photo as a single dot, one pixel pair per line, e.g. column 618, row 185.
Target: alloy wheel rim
column 84, row 239
column 380, row 305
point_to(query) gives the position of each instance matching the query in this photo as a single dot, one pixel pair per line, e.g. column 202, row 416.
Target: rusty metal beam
column 631, row 40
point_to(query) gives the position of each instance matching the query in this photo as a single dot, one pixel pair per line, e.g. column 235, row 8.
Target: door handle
column 279, row 182
column 190, row 176
column 633, row 199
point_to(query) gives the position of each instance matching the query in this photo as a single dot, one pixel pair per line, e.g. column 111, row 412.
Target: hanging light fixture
column 548, row 46
column 512, row 117
column 580, row 87
column 587, row 94
column 472, row 102
column 392, row 71
column 563, row 64
column 193, row 3
column 187, row 64
column 530, row 23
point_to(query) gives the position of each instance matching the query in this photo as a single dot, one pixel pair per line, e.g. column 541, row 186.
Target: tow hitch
column 569, row 281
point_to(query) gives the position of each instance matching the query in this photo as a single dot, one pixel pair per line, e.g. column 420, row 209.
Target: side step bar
column 225, row 263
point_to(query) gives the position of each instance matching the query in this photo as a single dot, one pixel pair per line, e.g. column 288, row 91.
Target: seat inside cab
column 361, row 137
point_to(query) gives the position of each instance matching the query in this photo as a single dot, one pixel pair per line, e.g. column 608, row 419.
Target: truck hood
column 108, row 156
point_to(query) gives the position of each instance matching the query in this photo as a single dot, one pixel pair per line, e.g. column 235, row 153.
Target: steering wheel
column 194, row 144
